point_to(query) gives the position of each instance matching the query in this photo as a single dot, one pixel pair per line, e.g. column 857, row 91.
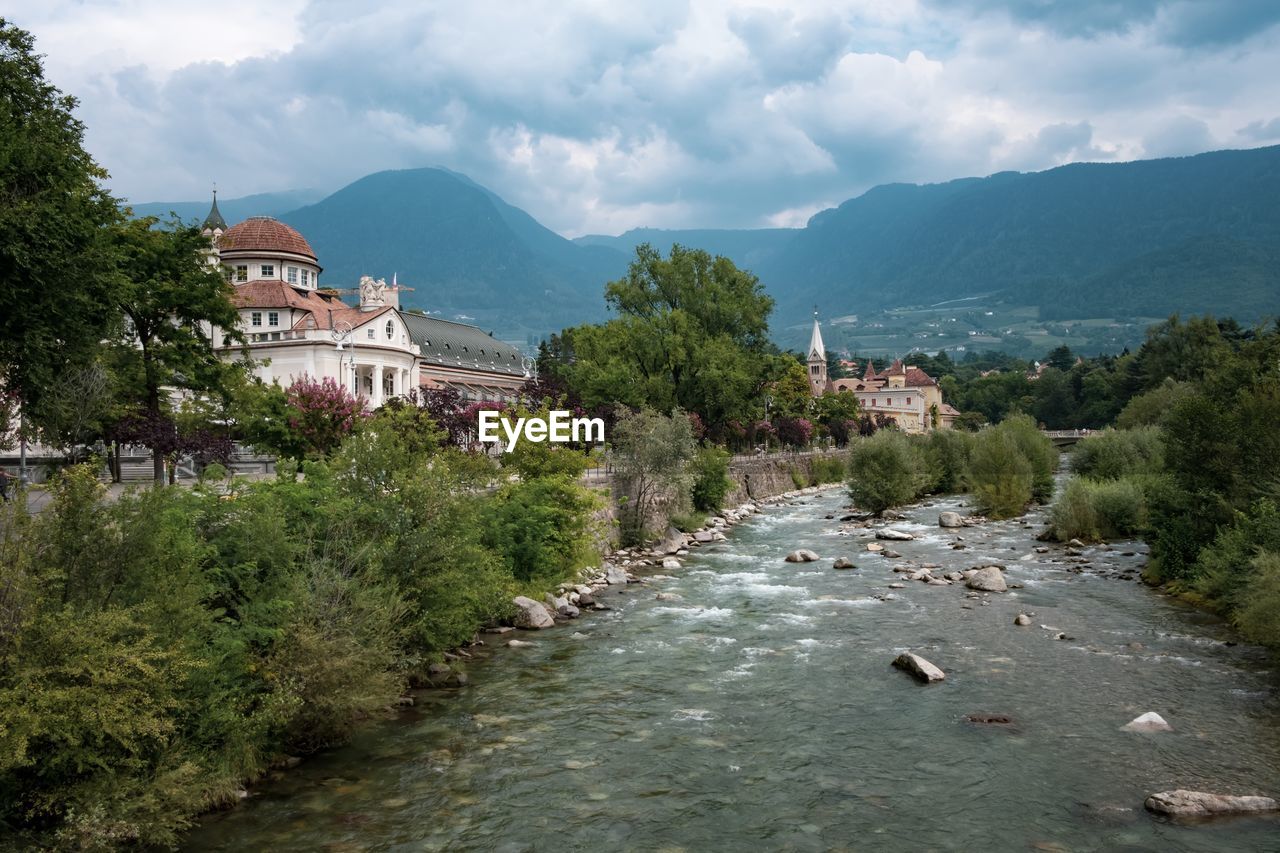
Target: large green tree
column 691, row 332
column 57, row 282
column 170, row 296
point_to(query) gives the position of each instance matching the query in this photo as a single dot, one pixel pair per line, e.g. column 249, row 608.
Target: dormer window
column 291, row 273
column 306, row 278
column 268, row 270
column 242, row 272
column 391, row 330
column 369, row 333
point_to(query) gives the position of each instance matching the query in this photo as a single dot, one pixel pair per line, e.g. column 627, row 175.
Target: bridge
column 1067, row 437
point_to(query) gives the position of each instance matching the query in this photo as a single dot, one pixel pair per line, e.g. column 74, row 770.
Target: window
column 273, row 318
column 255, row 319
column 292, row 274
column 370, row 333
column 391, row 330
column 873, row 401
column 268, row 270
column 242, row 272
column 306, row 277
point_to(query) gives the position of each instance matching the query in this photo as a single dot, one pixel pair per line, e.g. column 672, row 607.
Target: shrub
column 1112, row 454
column 1037, row 449
column 1099, row 510
column 885, row 470
column 710, row 478
column 1257, row 612
column 1223, row 566
column 999, row 475
column 798, row 479
column 794, row 432
column 827, row 469
column 541, row 527
column 947, row 456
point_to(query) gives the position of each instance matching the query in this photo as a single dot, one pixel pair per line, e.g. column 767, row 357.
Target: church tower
column 817, row 360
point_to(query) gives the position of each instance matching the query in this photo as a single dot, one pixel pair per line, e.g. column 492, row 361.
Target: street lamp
column 342, row 331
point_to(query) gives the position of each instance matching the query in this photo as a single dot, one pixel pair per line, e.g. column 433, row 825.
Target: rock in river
column 987, row 579
column 530, row 614
column 919, row 667
column 950, row 519
column 1182, row 803
column 1148, row 722
column 614, row 575
column 803, row 555
column 670, row 564
column 894, row 535
column 1022, row 620
column 843, row 563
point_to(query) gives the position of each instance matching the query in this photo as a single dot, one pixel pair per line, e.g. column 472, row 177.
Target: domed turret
column 260, row 234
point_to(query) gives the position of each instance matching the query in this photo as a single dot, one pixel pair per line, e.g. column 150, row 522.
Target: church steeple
column 214, row 224
column 817, row 360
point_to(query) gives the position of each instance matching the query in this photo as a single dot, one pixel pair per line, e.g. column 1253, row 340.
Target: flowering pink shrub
column 321, row 414
column 794, row 431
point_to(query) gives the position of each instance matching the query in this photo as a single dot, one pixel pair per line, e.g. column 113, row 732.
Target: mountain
column 748, row 248
column 233, row 209
column 466, row 253
column 1091, row 239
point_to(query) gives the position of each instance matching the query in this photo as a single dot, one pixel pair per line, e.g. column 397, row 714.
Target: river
column 761, row 712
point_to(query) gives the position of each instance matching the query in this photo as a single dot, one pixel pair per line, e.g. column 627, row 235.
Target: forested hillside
column 1085, row 240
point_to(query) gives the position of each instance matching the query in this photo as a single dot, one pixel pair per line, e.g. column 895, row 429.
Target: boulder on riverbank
column 987, row 579
column 919, row 667
column 615, row 576
column 531, row 615
column 672, row 542
column 803, row 555
column 950, row 519
column 1182, row 803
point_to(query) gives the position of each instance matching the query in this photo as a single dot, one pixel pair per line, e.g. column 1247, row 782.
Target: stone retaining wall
column 769, row 476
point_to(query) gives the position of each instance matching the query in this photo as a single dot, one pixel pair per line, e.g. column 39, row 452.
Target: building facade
column 294, row 327
column 906, row 395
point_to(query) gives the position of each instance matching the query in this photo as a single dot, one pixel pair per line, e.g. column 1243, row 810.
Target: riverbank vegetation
column 1194, row 468
column 1006, row 466
column 159, row 650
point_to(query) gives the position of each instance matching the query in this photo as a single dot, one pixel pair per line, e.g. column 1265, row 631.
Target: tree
column 169, row 295
column 57, row 287
column 652, row 455
column 691, row 333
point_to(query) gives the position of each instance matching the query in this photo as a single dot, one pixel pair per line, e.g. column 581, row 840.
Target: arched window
column 391, row 330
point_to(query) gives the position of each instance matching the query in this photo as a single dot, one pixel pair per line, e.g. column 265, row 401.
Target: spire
column 817, row 352
column 870, row 372
column 214, row 221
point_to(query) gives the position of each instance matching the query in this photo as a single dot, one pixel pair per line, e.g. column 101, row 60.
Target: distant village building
column 908, row 396
column 297, row 328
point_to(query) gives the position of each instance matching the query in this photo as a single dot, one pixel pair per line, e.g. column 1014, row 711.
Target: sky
column 596, row 117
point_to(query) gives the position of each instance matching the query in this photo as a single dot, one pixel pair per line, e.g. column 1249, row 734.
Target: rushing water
column 761, row 712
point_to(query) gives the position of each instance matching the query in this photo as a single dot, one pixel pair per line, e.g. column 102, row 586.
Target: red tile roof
column 319, row 312
column 917, row 377
column 262, row 233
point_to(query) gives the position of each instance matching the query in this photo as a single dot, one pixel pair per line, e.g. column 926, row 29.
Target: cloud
column 596, row 117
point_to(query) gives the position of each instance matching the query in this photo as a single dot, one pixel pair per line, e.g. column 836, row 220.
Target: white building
column 294, row 327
